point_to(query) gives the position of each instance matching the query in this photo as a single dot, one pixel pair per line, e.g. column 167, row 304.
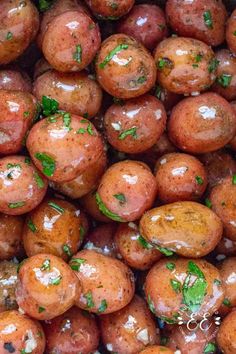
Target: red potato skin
column 72, row 331
column 227, row 274
column 202, row 124
column 110, row 10
column 77, row 93
column 226, row 338
column 22, row 186
column 22, row 21
column 135, row 181
column 59, row 47
column 11, row 231
column 120, row 330
column 120, row 76
column 15, row 80
column 72, row 152
column 26, row 331
column 233, row 141
column 146, row 23
column 8, row 277
column 226, row 247
column 187, row 19
column 18, row 110
column 230, row 30
column 90, row 206
column 145, row 113
column 156, row 349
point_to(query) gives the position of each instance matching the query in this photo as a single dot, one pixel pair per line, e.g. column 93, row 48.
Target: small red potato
column 15, row 80
column 156, row 349
column 230, row 32
column 226, row 335
column 11, row 232
column 110, row 10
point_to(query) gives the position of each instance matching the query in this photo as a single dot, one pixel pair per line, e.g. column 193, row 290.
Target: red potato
column 227, row 274
column 8, row 280
column 63, row 146
column 72, row 331
column 202, row 124
column 124, row 68
column 20, row 334
column 90, row 206
column 135, row 125
column 156, row 349
column 184, row 65
column 47, row 287
column 146, row 23
column 77, row 93
column 226, row 247
column 11, row 232
column 168, row 98
column 18, row 110
column 41, row 67
column 230, row 32
column 107, row 284
column 226, row 339
column 22, row 186
column 126, row 190
column 15, row 80
column 233, row 141
column 200, row 19
column 75, row 45
column 110, row 10
column 19, row 25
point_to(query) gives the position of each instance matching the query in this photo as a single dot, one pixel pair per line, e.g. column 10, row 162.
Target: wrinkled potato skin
column 83, row 333
column 190, row 229
column 21, row 19
column 25, row 328
column 178, row 75
column 156, row 349
column 90, row 206
column 196, row 131
column 8, row 277
column 59, row 230
column 121, row 81
column 131, row 250
column 226, row 335
column 11, row 231
column 114, row 329
column 32, row 293
column 15, row 80
column 116, row 9
column 111, row 280
column 177, row 178
column 187, row 19
column 230, row 29
column 145, row 113
column 166, row 302
column 223, row 199
column 76, row 93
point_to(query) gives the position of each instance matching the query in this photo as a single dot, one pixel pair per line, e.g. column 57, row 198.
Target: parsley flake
column 106, row 211
column 48, row 163
column 113, row 52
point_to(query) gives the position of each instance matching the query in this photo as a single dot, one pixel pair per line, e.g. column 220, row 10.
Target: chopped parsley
column 67, row 120
column 234, row 179
column 208, row 19
column 120, row 197
column 208, row 203
column 26, row 114
column 226, row 302
column 41, row 309
column 9, row 36
column 164, row 62
column 13, row 165
column 48, row 163
column 27, row 160
column 56, row 207
column 151, row 305
column 89, row 128
column 158, row 92
column 106, row 211
column 77, row 56
column 45, row 5
column 46, row 265
column 144, row 243
column 75, row 263
column 198, row 58
column 103, row 306
column 39, row 180
column 165, row 251
column 176, row 285
column 56, row 281
column 210, row 348
column 170, row 265
column 16, row 205
column 141, row 79
column 217, row 282
column 113, row 52
column 66, row 249
column 82, row 232
column 31, row 226
column 89, row 298
column 125, row 133
column 50, row 106
column 213, row 65
column 224, row 80
column 199, row 180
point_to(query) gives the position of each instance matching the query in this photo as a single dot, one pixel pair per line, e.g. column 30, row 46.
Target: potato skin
column 135, row 182
column 145, row 115
column 187, row 19
column 190, row 229
column 223, row 200
column 109, row 280
column 8, row 278
column 164, row 301
column 230, row 30
column 53, row 230
column 156, row 349
column 20, row 190
column 226, row 247
column 60, row 41
column 227, row 274
column 77, row 93
column 36, row 293
column 122, row 76
column 15, row 80
column 150, row 30
column 11, row 231
column 233, row 141
column 226, row 335
column 130, row 329
column 19, row 25
column 72, row 331
column 108, row 10
column 180, row 177
column 202, row 124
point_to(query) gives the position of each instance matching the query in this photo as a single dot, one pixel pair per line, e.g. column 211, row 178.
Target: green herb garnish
column 208, row 203
column 210, row 348
column 41, row 309
column 234, row 179
column 113, row 52
column 106, row 211
column 56, row 281
column 31, row 226
column 45, row 5
column 75, row 263
column 26, row 114
column 199, row 180
column 213, row 65
column 158, row 92
column 224, row 80
column 170, row 265
column 46, row 265
column 77, row 56
column 226, row 302
column 48, row 163
column 120, row 197
column 125, row 133
column 66, row 249
column 176, row 285
column 141, row 79
column 89, row 299
column 208, row 19
column 9, row 36
column 165, row 251
column 103, row 306
column 39, row 180
column 56, row 207
column 151, row 305
column 27, row 160
column 67, row 120
column 50, row 106
column 144, row 243
column 217, row 282
column 16, row 205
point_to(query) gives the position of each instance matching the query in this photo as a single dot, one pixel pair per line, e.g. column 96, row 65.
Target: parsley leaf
column 75, row 263
column 48, row 163
column 89, row 298
column 113, row 52
column 106, row 211
column 66, row 249
column 120, row 197
column 16, row 205
column 199, row 180
column 151, row 305
column 56, row 207
column 103, row 306
column 226, row 302
column 165, row 251
column 56, row 281
column 46, row 265
column 31, row 226
column 125, row 133
column 41, row 309
column 208, row 203
column 234, row 179
column 224, row 80
column 176, row 285
column 170, row 265
column 67, row 120
column 210, row 348
column 208, row 19
column 50, row 106
column 77, row 56
column 144, row 243
column 39, row 180
column 45, row 5
column 9, row 36
column 213, row 65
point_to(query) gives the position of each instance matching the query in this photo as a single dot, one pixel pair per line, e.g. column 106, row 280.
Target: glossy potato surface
column 8, row 281
column 11, row 232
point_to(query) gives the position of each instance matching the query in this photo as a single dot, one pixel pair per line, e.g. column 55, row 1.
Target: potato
column 124, row 68
column 76, row 93
column 180, row 177
column 184, row 65
column 227, row 274
column 198, row 19
column 54, row 227
column 168, row 98
column 133, row 249
column 233, row 141
column 47, row 287
column 177, row 289
column 202, row 124
column 15, row 80
column 11, row 232
column 156, row 349
column 8, row 280
column 126, row 190
column 22, row 187
column 135, row 125
column 146, row 23
column 72, row 331
column 129, row 330
column 19, row 25
column 226, row 247
column 90, row 206
column 226, row 335
column 20, row 334
column 230, row 32
column 190, row 229
column 107, row 284
column 110, row 11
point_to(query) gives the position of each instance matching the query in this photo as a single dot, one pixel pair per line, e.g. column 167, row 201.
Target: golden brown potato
column 47, row 287
column 190, row 229
column 124, row 68
column 156, row 349
column 14, row 80
column 177, row 289
column 226, row 338
column 110, row 10
column 8, row 280
column 227, row 274
column 202, row 124
column 11, row 232
column 129, row 330
column 230, row 32
column 184, row 65
column 107, row 284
